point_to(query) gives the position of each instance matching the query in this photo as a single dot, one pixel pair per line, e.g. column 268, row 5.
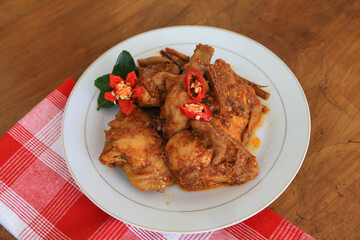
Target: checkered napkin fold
column 40, row 200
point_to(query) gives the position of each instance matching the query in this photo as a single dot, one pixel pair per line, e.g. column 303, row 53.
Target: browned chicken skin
column 175, row 120
column 236, row 99
column 234, row 95
column 188, row 149
column 133, row 144
column 152, row 80
column 232, row 124
column 200, row 59
column 192, row 157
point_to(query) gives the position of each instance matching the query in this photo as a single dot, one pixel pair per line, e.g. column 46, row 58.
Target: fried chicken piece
column 225, row 147
column 201, row 58
column 210, row 99
column 144, row 62
column 254, row 119
column 133, row 144
column 235, row 97
column 174, row 120
column 152, row 80
column 192, row 159
column 233, row 125
column 188, row 149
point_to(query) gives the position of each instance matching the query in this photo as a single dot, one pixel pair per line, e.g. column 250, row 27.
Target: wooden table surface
column 44, row 42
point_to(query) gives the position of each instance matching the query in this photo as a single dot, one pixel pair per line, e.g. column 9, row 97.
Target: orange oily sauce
column 256, row 142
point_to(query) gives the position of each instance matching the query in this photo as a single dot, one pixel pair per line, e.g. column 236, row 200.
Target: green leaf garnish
column 102, row 83
column 102, row 102
column 124, row 64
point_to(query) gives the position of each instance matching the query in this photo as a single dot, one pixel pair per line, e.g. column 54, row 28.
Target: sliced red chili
column 137, row 92
column 126, row 106
column 195, row 110
column 110, row 96
column 195, row 84
column 131, row 78
column 124, row 91
column 114, row 80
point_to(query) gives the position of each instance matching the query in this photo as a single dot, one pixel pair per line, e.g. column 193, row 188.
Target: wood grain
column 44, row 42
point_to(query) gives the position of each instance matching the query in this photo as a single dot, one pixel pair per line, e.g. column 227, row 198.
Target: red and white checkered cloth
column 40, row 200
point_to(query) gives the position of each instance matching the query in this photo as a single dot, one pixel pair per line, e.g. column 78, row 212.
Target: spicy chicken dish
column 189, row 123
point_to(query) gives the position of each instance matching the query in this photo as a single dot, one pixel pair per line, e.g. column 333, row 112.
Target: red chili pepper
column 131, row 78
column 124, row 91
column 137, row 92
column 195, row 110
column 114, row 80
column 195, row 84
column 110, row 97
column 126, row 106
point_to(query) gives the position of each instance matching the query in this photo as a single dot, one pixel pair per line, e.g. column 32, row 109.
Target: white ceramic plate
column 284, row 134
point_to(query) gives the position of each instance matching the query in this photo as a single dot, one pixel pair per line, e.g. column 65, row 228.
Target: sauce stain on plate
column 256, row 142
